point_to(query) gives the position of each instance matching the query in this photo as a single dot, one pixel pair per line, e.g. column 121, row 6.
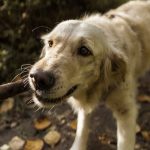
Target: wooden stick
column 12, row 89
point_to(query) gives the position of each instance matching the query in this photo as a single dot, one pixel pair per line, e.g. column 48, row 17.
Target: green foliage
column 18, row 44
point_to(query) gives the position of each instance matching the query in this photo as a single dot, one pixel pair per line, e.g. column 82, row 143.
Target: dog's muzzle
column 45, row 99
column 43, row 82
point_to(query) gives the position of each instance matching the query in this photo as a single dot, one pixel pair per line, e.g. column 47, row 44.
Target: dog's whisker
column 41, row 27
column 52, row 107
column 25, row 81
column 25, row 76
column 50, row 111
column 34, row 106
column 26, row 65
column 26, row 69
column 25, row 85
column 29, row 101
column 17, row 75
column 38, row 108
column 42, row 109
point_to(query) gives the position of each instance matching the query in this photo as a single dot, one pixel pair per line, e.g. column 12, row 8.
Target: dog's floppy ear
column 113, row 68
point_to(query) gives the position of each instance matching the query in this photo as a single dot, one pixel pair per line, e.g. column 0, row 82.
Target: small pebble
column 16, row 143
column 52, row 138
column 63, row 121
column 13, row 124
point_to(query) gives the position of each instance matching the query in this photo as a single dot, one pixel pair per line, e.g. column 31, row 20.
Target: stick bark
column 12, row 89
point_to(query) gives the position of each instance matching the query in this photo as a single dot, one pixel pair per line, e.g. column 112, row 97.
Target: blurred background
column 20, row 18
column 20, row 29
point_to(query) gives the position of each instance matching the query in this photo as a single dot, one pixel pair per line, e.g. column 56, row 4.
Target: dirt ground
column 20, row 121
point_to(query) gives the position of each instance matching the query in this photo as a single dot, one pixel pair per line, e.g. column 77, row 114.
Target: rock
column 52, row 138
column 7, row 105
column 35, row 144
column 63, row 121
column 13, row 124
column 42, row 123
column 16, row 143
column 5, row 147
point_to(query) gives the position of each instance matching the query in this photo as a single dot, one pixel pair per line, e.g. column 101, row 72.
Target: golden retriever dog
column 96, row 59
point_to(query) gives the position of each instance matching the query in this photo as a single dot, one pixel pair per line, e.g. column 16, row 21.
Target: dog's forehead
column 75, row 28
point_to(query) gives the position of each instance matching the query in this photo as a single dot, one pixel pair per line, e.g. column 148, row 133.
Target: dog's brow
column 88, row 41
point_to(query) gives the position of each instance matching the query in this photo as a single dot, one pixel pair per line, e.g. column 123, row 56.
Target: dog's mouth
column 57, row 99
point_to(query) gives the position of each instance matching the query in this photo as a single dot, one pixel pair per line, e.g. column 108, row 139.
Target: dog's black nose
column 42, row 80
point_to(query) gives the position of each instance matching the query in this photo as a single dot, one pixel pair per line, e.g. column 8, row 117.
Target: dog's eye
column 84, row 51
column 50, row 43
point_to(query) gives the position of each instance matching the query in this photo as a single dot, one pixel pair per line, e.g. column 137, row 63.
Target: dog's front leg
column 82, row 132
column 125, row 112
column 126, row 133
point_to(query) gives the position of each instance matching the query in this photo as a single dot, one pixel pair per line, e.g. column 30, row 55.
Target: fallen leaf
column 52, row 138
column 73, row 124
column 143, row 98
column 35, row 144
column 42, row 123
column 146, row 135
column 7, row 105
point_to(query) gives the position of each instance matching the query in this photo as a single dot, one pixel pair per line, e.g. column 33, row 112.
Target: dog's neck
column 107, row 93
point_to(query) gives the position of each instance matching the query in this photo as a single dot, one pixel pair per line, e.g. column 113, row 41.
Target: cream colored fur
column 120, row 44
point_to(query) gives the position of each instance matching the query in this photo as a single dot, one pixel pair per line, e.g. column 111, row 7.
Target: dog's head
column 74, row 57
